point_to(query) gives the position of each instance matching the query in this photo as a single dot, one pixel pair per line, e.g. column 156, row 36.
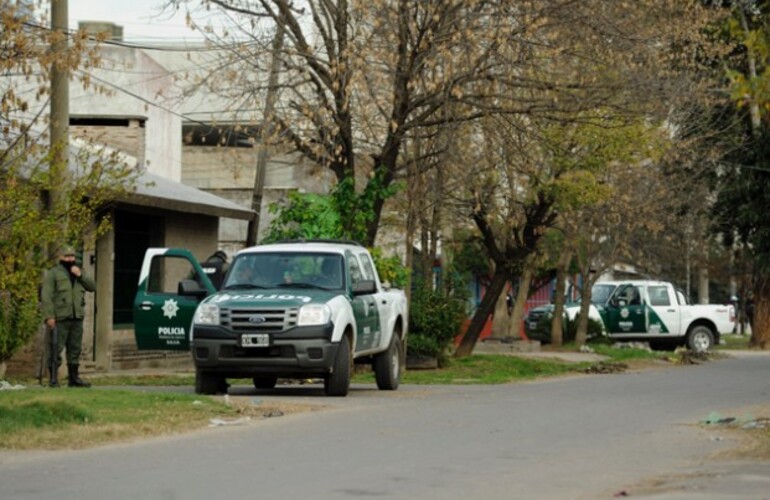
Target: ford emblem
column 257, row 319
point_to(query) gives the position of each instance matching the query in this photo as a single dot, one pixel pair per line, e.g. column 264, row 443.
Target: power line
column 161, row 48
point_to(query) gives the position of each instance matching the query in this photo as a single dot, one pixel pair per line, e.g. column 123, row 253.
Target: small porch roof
column 155, row 191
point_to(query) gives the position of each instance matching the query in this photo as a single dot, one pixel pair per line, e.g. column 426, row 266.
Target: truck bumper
column 285, row 357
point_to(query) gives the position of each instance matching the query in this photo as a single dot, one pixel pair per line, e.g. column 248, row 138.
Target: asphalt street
column 593, row 436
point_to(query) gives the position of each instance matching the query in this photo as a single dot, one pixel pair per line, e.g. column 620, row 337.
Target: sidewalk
column 531, row 349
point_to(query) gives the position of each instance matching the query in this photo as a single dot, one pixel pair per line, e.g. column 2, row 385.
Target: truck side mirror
column 191, row 288
column 364, row 287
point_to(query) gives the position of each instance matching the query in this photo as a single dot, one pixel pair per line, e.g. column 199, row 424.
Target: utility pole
column 59, row 119
column 265, row 137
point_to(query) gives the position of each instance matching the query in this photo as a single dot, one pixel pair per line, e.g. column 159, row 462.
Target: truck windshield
column 272, row 270
column 600, row 293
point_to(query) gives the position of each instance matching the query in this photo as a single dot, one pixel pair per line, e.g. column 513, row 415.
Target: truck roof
column 633, row 282
column 309, row 246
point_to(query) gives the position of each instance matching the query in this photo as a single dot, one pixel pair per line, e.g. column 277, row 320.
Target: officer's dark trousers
column 70, row 336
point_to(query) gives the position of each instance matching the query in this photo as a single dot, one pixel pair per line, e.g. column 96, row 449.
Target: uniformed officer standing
column 63, row 302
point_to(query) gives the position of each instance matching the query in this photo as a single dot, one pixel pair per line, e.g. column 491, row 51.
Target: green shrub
column 594, row 329
column 569, row 329
column 434, row 321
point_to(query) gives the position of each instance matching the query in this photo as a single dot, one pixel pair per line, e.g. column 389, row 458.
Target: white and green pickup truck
column 307, row 309
column 647, row 311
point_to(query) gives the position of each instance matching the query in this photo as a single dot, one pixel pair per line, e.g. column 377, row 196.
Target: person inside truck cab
column 630, row 295
column 244, row 275
column 215, row 268
column 331, row 272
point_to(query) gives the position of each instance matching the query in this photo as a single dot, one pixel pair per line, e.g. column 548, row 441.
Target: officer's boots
column 74, row 379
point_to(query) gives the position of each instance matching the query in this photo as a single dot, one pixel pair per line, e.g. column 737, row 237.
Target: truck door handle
column 145, row 306
column 672, row 310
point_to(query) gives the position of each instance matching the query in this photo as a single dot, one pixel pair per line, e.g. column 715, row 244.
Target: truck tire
column 387, row 365
column 267, row 382
column 700, row 338
column 337, row 383
column 206, row 383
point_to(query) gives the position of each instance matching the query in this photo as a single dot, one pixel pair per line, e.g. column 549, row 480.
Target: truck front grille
column 258, row 320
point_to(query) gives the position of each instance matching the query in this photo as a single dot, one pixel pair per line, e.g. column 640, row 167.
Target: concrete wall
column 230, row 172
column 128, row 139
column 132, row 84
column 197, row 233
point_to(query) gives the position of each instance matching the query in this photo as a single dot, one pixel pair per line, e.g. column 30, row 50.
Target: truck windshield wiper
column 301, row 285
column 242, row 286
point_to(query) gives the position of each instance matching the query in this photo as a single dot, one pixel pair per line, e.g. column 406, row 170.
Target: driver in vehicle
column 331, row 272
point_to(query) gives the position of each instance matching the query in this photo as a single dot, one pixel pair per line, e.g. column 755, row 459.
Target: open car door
column 171, row 285
column 626, row 311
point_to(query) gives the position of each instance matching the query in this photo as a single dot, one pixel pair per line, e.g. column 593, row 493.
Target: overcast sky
column 141, row 19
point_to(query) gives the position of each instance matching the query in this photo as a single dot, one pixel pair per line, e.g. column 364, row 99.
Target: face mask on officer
column 67, row 261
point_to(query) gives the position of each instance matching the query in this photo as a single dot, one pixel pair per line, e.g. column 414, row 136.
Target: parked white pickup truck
column 289, row 310
column 650, row 311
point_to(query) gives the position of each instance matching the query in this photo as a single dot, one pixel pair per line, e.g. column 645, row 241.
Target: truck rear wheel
column 206, row 383
column 337, row 383
column 700, row 339
column 387, row 365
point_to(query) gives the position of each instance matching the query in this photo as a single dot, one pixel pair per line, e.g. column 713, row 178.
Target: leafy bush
column 28, row 229
column 595, row 328
column 390, row 269
column 543, row 330
column 434, row 321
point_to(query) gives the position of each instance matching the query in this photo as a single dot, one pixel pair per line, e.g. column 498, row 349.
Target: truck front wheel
column 206, row 383
column 387, row 365
column 337, row 383
column 700, row 339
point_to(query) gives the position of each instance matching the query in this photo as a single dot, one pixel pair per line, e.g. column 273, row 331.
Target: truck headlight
column 314, row 314
column 206, row 314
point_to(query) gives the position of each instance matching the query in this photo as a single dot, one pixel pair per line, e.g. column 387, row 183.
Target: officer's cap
column 67, row 250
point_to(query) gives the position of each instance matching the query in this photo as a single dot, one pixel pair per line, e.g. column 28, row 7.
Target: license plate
column 255, row 340
column 533, row 325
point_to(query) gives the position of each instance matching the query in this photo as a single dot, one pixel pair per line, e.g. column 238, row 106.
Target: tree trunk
column 521, row 302
column 265, row 138
column 557, row 324
column 760, row 324
column 501, row 319
column 585, row 304
column 496, row 287
column 703, row 286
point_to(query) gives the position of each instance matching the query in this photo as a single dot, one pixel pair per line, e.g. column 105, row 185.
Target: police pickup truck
column 647, row 311
column 307, row 309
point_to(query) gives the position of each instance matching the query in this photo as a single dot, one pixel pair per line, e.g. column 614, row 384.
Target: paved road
column 579, row 437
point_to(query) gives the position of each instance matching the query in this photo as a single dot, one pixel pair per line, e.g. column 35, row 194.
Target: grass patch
column 626, row 353
column 153, row 380
column 733, row 342
column 491, row 369
column 37, row 418
column 484, row 369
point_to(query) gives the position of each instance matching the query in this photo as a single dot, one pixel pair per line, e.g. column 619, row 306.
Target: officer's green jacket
column 61, row 297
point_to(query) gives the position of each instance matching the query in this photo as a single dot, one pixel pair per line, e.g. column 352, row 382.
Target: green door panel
column 162, row 316
column 367, row 322
column 655, row 324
